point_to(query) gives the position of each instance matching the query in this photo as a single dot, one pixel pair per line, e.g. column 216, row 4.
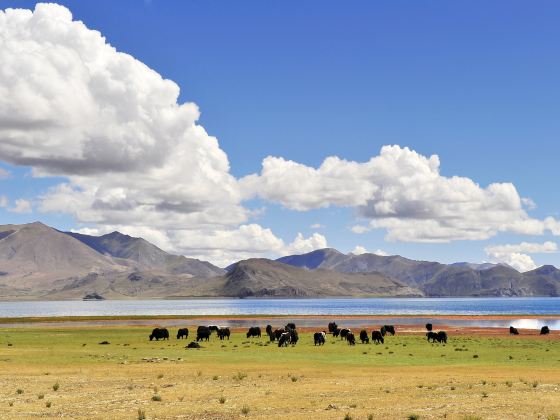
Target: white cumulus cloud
column 222, row 247
column 360, row 229
column 246, row 241
column 402, row 192
column 317, row 226
column 72, row 105
column 359, row 250
column 135, row 159
column 21, row 207
column 517, row 255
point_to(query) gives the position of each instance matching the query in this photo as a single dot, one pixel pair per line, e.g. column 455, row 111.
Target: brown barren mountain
column 34, row 257
column 38, row 262
column 266, row 278
column 438, row 280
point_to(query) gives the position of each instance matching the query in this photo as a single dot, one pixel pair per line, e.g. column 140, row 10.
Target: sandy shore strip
column 480, row 325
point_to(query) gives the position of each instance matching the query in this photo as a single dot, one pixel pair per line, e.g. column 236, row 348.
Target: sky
column 226, row 130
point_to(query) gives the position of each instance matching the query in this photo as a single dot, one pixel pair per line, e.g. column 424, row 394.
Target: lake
column 328, row 306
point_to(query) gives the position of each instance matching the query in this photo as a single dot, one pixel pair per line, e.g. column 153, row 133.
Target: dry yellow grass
column 256, row 381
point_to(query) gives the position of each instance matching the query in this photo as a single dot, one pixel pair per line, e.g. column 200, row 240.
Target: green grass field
column 481, row 377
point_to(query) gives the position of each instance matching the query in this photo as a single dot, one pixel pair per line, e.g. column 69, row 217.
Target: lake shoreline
column 41, row 311
column 100, row 318
column 478, row 325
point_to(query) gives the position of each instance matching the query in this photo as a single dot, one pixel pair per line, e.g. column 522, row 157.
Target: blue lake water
column 338, row 306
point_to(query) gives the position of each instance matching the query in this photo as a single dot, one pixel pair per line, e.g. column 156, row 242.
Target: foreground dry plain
column 53, row 371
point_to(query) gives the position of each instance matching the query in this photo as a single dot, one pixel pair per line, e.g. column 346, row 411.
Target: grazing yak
column 390, row 329
column 319, row 338
column 254, row 332
column 284, row 339
column 377, row 337
column 513, row 331
column 336, row 332
column 429, row 327
column 442, row 337
column 183, row 333
column 332, row 327
column 278, row 333
column 383, row 331
column 545, row 330
column 351, row 339
column 364, row 337
column 213, row 328
column 203, row 333
column 294, row 336
column 343, row 333
column 223, row 332
column 290, row 326
column 158, row 333
column 270, row 333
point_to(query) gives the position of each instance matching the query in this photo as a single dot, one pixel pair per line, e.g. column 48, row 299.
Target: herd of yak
column 289, row 335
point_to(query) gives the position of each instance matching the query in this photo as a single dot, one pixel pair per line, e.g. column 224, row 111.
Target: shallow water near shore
column 327, row 306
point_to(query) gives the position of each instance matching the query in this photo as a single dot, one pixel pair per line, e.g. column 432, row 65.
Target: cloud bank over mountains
column 400, row 191
column 518, row 255
column 137, row 161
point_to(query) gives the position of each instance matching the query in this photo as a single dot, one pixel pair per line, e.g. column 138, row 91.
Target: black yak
column 319, row 338
column 377, row 337
column 332, row 327
column 343, row 333
column 158, row 333
column 254, row 332
column 545, row 330
column 223, row 332
column 278, row 333
column 284, row 339
column 513, row 330
column 294, row 337
column 364, row 337
column 351, row 339
column 442, row 337
column 390, row 329
column 203, row 333
column 183, row 333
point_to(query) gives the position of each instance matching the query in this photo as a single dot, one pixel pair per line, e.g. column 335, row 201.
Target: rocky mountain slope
column 147, row 256
column 436, row 279
column 34, row 256
column 38, row 262
column 262, row 277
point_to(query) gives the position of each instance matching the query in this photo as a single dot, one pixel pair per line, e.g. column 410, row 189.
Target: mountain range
column 39, row 262
column 434, row 279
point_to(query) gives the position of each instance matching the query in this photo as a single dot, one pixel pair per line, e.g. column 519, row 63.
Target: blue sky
column 475, row 83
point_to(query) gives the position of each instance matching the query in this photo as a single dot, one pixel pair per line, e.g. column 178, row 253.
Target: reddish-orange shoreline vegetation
column 16, row 320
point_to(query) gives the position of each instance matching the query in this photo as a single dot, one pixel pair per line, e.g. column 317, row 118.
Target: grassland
column 50, row 372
